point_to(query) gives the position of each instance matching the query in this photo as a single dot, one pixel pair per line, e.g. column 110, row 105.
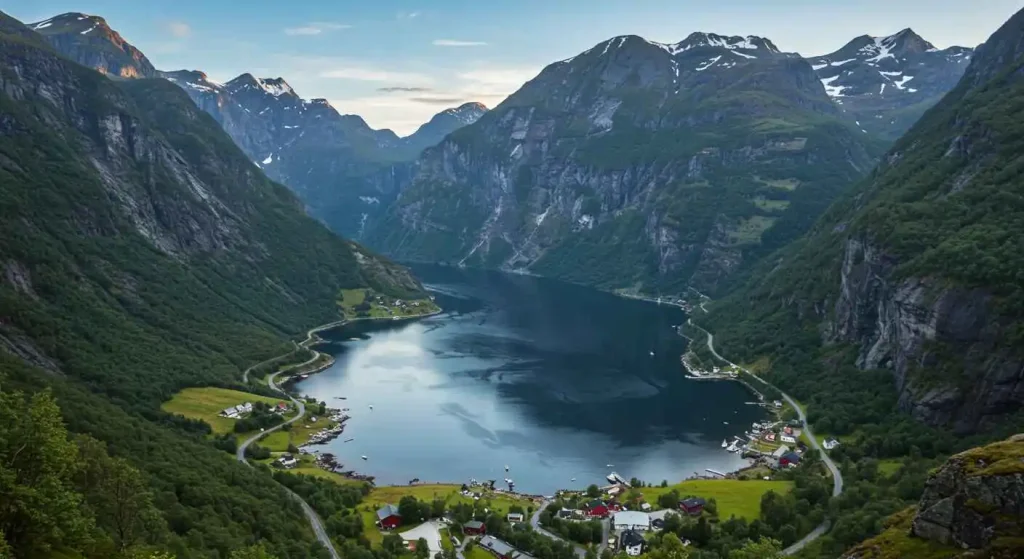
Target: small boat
column 371, row 406
column 363, row 457
column 573, row 479
column 609, row 465
column 348, row 440
column 506, row 467
column 724, row 443
column 652, row 354
column 725, row 423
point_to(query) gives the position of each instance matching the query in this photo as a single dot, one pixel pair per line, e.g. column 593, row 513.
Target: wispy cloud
column 179, row 29
column 408, row 15
column 316, row 28
column 403, row 89
column 437, row 100
column 455, row 43
column 360, row 73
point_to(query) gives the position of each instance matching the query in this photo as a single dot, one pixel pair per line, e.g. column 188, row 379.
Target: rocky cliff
column 972, row 508
column 919, row 266
column 91, row 42
column 635, row 165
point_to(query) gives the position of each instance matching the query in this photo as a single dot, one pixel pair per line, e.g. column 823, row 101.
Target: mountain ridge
column 886, row 83
column 578, row 156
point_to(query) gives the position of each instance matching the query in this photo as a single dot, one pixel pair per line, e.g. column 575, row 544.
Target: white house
column 829, row 444
column 631, row 520
column 787, row 438
column 287, row 461
column 632, row 542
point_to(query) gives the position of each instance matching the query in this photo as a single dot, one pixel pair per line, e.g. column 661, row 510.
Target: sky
column 398, row 62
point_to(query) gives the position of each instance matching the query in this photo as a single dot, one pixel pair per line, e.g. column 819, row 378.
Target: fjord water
column 554, row 380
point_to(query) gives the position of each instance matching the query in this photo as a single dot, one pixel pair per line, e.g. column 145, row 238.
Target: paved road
column 837, row 477
column 311, row 515
column 580, row 550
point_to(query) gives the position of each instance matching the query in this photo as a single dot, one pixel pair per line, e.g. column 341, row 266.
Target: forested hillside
column 142, row 252
column 918, row 269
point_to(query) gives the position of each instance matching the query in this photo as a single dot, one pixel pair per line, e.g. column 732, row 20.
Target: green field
column 499, row 503
column 735, row 497
column 206, row 404
column 478, row 553
column 889, row 467
column 784, row 184
column 389, row 308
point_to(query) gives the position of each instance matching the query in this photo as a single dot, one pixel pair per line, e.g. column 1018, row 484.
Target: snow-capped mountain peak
column 275, row 87
column 192, row 79
column 870, row 76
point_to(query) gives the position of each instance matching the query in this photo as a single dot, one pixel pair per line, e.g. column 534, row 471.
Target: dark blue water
column 556, row 381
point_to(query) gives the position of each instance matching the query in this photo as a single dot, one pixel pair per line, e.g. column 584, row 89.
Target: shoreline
column 312, row 340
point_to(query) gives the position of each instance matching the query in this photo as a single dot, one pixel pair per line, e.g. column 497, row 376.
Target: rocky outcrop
column 944, row 344
column 976, row 498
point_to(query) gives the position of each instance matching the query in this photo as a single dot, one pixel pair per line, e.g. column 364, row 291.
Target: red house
column 474, row 527
column 388, row 517
column 597, row 508
column 692, row 506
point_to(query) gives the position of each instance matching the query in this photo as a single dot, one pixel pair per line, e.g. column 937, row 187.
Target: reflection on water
column 557, row 381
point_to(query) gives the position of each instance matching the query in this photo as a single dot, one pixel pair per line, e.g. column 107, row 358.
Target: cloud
column 438, row 100
column 408, row 15
column 403, row 89
column 364, row 74
column 316, row 28
column 179, row 29
column 454, row 43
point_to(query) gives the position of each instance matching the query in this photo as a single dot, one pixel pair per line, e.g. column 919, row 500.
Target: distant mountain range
column 688, row 160
column 344, row 171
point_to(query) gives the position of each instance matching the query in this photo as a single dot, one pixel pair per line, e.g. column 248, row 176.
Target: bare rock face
column 943, row 343
column 634, row 165
column 90, row 41
column 975, row 498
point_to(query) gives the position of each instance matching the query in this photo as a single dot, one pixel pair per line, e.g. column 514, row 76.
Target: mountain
column 917, row 270
column 90, row 41
column 887, row 83
column 971, row 509
column 143, row 252
column 343, row 170
column 635, row 165
column 442, row 124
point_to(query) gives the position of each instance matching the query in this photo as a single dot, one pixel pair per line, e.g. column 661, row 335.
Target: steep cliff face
column 919, row 266
column 130, row 201
column 344, row 171
column 945, row 344
column 91, row 42
column 635, row 164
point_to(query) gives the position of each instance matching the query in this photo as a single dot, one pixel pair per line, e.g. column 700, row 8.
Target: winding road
column 837, row 477
column 311, row 515
column 580, row 550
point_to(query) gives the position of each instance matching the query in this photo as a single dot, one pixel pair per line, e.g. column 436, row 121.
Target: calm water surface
column 554, row 380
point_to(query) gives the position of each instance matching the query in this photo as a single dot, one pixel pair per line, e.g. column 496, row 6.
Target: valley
column 240, row 323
